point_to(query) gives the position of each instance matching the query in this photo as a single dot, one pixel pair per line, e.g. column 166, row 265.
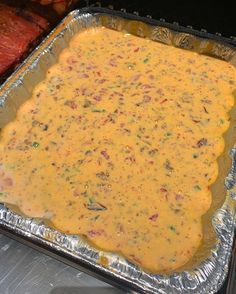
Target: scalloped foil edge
column 209, row 276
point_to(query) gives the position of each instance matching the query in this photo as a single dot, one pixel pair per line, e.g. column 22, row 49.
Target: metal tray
column 203, row 275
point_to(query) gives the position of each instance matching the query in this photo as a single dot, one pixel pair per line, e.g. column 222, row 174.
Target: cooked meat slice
column 17, row 30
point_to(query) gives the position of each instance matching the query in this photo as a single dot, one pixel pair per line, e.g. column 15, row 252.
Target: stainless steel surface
column 206, row 277
column 26, row 271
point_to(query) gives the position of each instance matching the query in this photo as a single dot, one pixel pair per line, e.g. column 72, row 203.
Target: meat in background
column 18, row 30
column 22, row 24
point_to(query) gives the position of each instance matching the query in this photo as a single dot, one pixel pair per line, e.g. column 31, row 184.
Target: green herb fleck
column 88, row 152
column 145, row 60
column 197, row 188
column 35, row 144
column 96, row 206
column 172, row 228
column 195, row 155
column 168, row 134
column 96, row 217
column 91, row 200
column 222, row 121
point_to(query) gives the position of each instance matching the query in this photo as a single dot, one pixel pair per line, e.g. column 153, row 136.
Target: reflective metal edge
column 210, row 274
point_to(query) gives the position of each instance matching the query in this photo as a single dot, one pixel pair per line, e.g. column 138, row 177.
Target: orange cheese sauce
column 119, row 143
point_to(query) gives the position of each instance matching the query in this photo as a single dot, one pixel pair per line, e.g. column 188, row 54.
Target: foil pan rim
column 210, row 274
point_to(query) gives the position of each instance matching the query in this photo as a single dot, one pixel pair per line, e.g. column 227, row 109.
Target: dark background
column 212, row 16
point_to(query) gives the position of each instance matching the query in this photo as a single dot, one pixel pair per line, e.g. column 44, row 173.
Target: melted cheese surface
column 119, row 143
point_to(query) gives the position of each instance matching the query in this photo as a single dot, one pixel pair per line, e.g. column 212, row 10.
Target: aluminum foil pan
column 208, row 269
